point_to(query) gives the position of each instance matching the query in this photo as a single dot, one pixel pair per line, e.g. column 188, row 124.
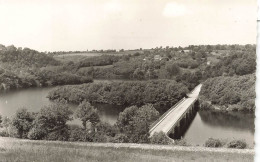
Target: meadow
column 46, row 151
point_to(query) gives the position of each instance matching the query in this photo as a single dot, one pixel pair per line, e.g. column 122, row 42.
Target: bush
column 211, row 142
column 181, row 142
column 37, row 133
column 205, row 106
column 160, row 138
column 9, row 131
column 120, row 138
column 61, row 134
column 79, row 134
column 4, row 133
column 239, row 144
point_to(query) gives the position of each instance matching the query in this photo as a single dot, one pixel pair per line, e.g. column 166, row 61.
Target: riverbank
column 12, row 149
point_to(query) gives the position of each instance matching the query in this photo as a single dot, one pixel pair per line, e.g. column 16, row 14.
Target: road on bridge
column 166, row 123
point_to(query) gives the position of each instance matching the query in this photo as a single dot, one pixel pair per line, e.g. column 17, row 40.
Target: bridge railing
column 167, row 112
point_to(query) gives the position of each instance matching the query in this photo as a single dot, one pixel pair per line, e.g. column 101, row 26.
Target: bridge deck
column 177, row 112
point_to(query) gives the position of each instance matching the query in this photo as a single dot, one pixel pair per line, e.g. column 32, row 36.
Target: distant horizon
column 90, row 50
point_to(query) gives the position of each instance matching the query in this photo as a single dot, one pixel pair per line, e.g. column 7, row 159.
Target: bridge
column 171, row 121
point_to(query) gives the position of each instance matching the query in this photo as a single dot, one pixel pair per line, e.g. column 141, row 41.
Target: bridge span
column 171, row 120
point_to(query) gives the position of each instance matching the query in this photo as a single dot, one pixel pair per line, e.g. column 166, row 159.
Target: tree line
column 51, row 123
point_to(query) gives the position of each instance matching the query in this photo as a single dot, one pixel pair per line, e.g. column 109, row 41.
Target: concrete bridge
column 176, row 118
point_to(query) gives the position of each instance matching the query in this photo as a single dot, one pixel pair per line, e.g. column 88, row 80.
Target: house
column 146, row 58
column 208, row 62
column 157, row 58
column 185, row 51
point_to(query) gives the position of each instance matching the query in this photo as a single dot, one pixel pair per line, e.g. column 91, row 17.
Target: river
column 206, row 124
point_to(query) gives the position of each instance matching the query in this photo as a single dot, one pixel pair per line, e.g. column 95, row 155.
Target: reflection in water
column 220, row 125
column 237, row 120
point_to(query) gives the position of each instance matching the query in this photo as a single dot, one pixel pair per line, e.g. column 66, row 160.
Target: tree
column 172, row 68
column 22, row 121
column 86, row 112
column 50, row 122
column 138, row 74
column 134, row 122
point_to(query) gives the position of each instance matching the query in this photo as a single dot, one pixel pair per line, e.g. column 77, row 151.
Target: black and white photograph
column 129, row 81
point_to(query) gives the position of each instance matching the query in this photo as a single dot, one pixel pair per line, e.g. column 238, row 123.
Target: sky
column 68, row 25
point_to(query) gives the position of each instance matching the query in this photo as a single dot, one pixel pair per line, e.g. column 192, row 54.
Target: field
column 75, row 57
column 26, row 150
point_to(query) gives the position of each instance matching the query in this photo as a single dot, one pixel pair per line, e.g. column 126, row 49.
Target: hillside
column 26, row 150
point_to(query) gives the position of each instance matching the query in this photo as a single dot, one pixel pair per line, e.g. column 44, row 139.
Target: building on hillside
column 157, row 57
column 185, row 51
column 146, row 58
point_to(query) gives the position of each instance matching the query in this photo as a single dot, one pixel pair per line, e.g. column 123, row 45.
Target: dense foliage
column 98, row 61
column 22, row 121
column 23, row 68
column 50, row 123
column 236, row 63
column 25, row 57
column 86, row 112
column 231, row 93
column 239, row 144
column 157, row 92
column 135, row 122
column 161, row 138
column 211, row 142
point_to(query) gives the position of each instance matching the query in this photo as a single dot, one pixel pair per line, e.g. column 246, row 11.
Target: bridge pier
column 180, row 128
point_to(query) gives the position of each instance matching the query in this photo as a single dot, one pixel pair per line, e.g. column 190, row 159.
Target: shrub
column 239, row 144
column 160, row 138
column 37, row 133
column 211, row 142
column 181, row 142
column 61, row 134
column 9, row 131
column 80, row 134
column 4, row 133
column 204, row 105
column 120, row 138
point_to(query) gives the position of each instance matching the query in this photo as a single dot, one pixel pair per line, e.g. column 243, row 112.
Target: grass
column 25, row 150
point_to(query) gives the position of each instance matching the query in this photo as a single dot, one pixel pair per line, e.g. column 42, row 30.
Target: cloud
column 174, row 10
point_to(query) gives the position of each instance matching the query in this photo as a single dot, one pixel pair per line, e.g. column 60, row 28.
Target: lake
column 206, row 124
column 35, row 98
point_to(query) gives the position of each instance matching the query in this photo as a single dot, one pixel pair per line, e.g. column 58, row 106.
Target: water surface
column 35, row 98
